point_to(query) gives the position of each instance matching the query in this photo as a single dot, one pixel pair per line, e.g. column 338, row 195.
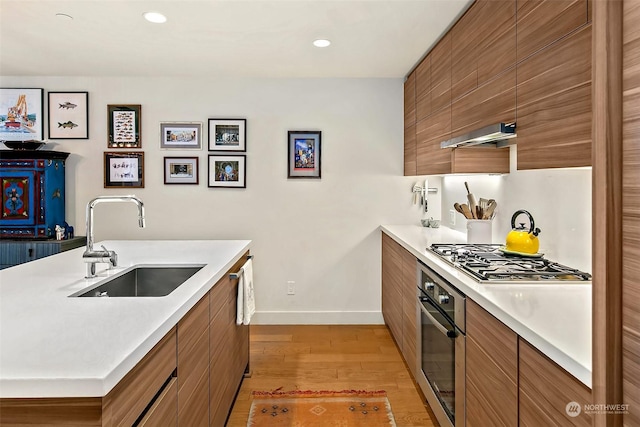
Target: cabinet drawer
column 164, row 410
column 128, row 399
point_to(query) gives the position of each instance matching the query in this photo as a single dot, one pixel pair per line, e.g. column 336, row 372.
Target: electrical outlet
column 291, row 287
column 452, row 217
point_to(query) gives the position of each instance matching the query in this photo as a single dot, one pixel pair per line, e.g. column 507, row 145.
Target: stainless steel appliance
column 489, row 263
column 441, row 346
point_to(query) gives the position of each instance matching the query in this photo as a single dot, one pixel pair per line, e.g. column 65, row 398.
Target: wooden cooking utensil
column 458, row 208
column 466, row 211
column 488, row 213
column 472, row 201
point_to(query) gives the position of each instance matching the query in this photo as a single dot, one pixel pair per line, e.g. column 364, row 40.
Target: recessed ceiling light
column 64, row 16
column 155, row 17
column 321, row 43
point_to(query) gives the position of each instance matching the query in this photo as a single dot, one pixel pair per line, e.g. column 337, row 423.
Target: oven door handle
column 451, row 333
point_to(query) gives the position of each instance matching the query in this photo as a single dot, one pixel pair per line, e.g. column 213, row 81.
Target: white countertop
column 554, row 318
column 55, row 346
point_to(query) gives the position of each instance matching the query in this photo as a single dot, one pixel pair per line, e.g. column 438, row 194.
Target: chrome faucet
column 91, row 256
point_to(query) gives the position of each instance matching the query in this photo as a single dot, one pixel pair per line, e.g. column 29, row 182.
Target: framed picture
column 124, row 170
column 227, row 171
column 181, row 135
column 227, row 134
column 68, row 115
column 124, row 126
column 304, row 154
column 181, row 170
column 21, row 114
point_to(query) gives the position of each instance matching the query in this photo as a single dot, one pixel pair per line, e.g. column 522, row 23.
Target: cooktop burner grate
column 486, row 263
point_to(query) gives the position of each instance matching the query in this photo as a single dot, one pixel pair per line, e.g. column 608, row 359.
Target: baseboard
column 317, row 318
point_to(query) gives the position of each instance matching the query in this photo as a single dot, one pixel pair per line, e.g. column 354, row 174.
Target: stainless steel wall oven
column 441, row 346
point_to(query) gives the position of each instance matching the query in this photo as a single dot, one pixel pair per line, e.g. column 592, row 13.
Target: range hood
column 494, row 134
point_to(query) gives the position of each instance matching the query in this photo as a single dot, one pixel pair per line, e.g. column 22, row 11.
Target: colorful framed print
column 227, row 171
column 304, row 154
column 68, row 115
column 227, row 134
column 124, row 126
column 124, row 170
column 181, row 170
column 21, row 114
column 181, row 135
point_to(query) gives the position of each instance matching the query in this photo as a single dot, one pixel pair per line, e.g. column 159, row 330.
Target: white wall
column 558, row 199
column 320, row 233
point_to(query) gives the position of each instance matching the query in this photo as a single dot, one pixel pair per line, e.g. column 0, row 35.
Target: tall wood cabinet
column 399, row 298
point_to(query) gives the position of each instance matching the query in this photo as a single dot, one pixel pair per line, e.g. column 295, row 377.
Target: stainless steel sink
column 142, row 281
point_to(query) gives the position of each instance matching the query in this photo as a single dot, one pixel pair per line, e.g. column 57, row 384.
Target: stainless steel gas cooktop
column 487, row 263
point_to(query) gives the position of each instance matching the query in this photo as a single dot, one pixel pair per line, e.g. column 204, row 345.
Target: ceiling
column 220, row 38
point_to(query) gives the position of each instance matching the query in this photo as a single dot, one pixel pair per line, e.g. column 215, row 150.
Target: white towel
column 246, row 306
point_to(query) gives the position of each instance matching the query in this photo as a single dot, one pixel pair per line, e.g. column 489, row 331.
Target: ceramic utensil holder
column 478, row 231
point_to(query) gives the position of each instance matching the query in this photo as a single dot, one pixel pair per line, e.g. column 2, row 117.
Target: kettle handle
column 515, row 216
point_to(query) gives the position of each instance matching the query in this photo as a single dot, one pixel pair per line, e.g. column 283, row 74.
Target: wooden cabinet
column 399, row 298
column 410, row 125
column 14, row 252
column 423, row 89
column 430, row 132
column 392, row 302
column 229, row 352
column 554, row 105
column 441, row 74
column 163, row 413
column 491, row 370
column 483, row 45
column 127, row 401
column 193, row 366
column 545, row 390
column 541, row 22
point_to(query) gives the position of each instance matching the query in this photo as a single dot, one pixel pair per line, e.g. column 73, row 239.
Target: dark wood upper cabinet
column 430, row 132
column 410, row 100
column 441, row 74
column 464, row 53
column 541, row 22
column 554, row 105
column 423, row 88
column 410, row 150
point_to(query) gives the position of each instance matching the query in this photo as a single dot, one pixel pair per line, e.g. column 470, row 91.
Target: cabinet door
column 464, row 52
column 545, row 391
column 554, row 105
column 489, row 104
column 491, row 371
column 430, row 132
column 410, row 125
column 409, row 310
column 193, row 366
column 392, row 287
column 423, row 88
column 441, row 74
column 541, row 22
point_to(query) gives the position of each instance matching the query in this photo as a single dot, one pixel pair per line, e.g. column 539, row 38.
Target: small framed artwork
column 227, row 171
column 124, row 170
column 21, row 114
column 227, row 134
column 304, row 154
column 68, row 115
column 181, row 135
column 124, row 126
column 181, row 170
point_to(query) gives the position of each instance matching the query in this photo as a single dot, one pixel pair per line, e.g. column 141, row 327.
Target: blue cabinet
column 32, row 193
column 14, row 252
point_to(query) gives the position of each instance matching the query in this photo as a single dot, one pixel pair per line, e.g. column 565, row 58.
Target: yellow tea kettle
column 520, row 239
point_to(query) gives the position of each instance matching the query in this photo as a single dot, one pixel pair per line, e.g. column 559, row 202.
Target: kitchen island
column 56, row 346
column 554, row 318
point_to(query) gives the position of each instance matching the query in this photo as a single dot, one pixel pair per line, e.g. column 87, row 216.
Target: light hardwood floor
column 329, row 357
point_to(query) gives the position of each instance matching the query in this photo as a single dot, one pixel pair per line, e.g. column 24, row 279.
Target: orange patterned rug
column 346, row 408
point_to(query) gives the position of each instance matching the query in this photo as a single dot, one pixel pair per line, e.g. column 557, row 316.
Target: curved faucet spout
column 90, row 256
